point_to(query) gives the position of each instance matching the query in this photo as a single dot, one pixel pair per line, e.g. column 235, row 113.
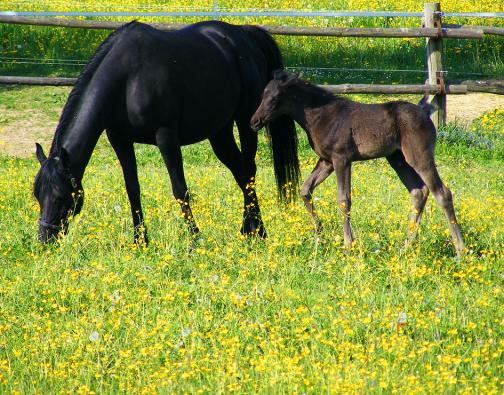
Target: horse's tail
column 83, row 79
column 282, row 131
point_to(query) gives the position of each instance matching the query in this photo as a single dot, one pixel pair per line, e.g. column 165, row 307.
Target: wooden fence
column 432, row 29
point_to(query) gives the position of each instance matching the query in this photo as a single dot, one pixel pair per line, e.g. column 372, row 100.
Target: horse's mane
column 84, row 78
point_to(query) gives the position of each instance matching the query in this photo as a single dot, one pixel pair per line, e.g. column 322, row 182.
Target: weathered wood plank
column 498, row 31
column 489, row 86
column 434, row 46
column 276, row 30
column 337, row 89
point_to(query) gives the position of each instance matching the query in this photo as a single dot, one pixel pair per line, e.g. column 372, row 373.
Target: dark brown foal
column 342, row 131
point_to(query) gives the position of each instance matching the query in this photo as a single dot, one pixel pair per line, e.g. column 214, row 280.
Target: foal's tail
column 429, row 108
column 281, row 131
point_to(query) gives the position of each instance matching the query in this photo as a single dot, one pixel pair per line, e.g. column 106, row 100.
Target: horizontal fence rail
column 277, row 30
column 343, row 88
column 495, row 30
column 455, row 87
column 289, row 14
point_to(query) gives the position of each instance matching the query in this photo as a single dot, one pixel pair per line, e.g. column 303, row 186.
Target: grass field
column 291, row 314
column 31, row 50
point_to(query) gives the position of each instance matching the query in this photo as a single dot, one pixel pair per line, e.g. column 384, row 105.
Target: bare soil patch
column 464, row 108
column 20, row 129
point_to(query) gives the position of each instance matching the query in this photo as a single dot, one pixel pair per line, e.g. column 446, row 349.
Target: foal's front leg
column 342, row 167
column 322, row 170
column 169, row 146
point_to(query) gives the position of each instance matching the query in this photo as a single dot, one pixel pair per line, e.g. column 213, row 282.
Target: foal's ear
column 280, row 74
column 295, row 76
column 39, row 152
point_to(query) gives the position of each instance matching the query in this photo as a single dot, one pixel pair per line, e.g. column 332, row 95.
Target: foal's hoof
column 461, row 253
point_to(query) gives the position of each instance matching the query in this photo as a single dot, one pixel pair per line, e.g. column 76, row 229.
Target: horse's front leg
column 342, row 167
column 322, row 170
column 126, row 155
column 169, row 146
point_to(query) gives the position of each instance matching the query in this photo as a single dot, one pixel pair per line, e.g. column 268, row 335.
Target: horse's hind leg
column 126, row 155
column 169, row 146
column 422, row 160
column 416, row 187
column 342, row 167
column 242, row 166
column 322, row 170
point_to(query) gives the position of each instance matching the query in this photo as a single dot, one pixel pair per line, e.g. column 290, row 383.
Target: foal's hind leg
column 342, row 167
column 423, row 163
column 416, row 187
column 169, row 146
column 224, row 146
column 322, row 170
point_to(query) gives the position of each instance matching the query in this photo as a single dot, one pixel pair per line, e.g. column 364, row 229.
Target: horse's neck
column 81, row 135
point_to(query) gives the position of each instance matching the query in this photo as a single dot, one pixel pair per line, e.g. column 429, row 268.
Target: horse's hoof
column 254, row 230
column 195, row 239
column 141, row 240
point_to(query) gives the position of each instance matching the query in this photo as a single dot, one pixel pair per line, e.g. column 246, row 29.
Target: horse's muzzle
column 49, row 233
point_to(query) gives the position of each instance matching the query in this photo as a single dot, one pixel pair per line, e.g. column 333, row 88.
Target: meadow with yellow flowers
column 295, row 313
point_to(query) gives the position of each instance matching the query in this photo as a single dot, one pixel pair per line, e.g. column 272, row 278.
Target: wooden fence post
column 432, row 19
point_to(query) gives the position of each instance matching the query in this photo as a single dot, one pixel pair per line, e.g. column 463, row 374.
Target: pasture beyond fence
column 432, row 29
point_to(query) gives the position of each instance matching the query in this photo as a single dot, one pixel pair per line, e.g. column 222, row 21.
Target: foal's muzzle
column 257, row 124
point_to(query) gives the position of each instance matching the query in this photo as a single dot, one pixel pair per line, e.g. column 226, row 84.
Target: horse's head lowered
column 60, row 195
column 275, row 101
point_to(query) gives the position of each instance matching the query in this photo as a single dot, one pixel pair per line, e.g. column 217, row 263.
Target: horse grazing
column 341, row 131
column 168, row 89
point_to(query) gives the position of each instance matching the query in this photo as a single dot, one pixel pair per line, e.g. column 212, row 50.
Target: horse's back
column 194, row 79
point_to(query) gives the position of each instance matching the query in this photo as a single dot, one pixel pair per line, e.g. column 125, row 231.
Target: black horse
column 168, row 89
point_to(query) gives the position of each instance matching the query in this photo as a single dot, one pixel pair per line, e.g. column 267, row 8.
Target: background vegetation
column 63, row 52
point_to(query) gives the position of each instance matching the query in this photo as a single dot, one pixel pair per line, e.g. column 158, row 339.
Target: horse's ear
column 64, row 158
column 39, row 152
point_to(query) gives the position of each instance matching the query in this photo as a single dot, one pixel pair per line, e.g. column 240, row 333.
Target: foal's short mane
column 320, row 95
column 84, row 78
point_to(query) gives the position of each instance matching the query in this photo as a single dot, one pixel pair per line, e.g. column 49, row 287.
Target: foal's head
column 59, row 195
column 276, row 99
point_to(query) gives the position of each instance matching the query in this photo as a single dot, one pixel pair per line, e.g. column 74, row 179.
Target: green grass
column 462, row 58
column 291, row 314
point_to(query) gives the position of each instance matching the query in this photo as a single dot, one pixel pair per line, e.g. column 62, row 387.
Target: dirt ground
column 19, row 130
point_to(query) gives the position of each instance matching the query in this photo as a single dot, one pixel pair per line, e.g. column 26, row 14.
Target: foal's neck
column 307, row 98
